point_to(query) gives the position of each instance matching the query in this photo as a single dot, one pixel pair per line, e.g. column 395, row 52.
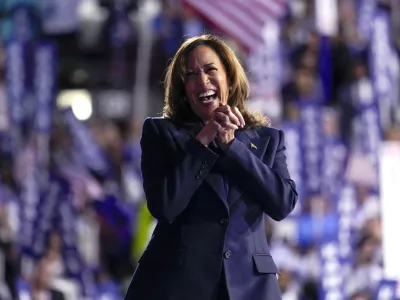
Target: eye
column 190, row 74
column 212, row 69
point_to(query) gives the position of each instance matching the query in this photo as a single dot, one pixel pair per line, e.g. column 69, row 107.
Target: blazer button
column 227, row 254
column 224, row 222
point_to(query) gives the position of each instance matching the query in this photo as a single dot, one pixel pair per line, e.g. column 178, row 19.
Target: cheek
column 190, row 90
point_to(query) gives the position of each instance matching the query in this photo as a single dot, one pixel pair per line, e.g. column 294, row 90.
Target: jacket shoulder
column 271, row 132
column 159, row 121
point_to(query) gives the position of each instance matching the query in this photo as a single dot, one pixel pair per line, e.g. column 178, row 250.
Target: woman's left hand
column 229, row 119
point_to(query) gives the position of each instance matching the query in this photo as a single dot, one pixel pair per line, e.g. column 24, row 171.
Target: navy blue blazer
column 210, row 207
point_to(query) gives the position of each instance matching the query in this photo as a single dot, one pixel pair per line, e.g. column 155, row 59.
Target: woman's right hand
column 224, row 120
column 208, row 133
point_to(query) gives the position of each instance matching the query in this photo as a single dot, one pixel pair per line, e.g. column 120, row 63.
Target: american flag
column 242, row 20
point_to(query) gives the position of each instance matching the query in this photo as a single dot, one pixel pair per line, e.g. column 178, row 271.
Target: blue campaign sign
column 331, row 286
column 312, row 142
column 45, row 75
column 294, row 158
column 16, row 73
column 366, row 10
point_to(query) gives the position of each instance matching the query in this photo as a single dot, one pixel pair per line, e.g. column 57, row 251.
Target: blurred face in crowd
column 374, row 228
column 360, row 71
column 54, row 241
column 3, row 213
column 111, row 136
column 188, row 13
column 319, row 204
column 292, row 111
column 305, row 81
column 393, row 134
column 361, row 296
column 206, row 83
column 330, row 125
column 313, row 42
column 41, row 277
column 367, row 250
column 309, row 60
column 168, row 10
column 362, row 193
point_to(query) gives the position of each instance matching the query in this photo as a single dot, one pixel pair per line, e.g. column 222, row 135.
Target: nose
column 203, row 79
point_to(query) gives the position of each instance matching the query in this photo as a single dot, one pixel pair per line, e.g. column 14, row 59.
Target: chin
column 206, row 111
column 209, row 110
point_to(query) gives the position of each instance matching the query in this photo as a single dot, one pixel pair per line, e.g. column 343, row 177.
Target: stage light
column 80, row 102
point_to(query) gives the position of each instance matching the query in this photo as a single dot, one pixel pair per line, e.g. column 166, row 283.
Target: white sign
column 327, row 17
column 390, row 207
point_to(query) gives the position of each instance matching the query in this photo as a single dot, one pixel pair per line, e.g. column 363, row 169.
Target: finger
column 234, row 119
column 227, row 125
column 239, row 115
column 225, row 121
column 218, row 126
column 221, row 117
column 230, row 113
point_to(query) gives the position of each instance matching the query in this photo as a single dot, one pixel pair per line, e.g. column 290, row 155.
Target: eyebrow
column 206, row 65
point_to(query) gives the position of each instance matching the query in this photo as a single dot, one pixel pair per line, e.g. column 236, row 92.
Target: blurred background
column 78, row 77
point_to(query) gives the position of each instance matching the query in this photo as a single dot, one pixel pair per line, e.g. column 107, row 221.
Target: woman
column 211, row 169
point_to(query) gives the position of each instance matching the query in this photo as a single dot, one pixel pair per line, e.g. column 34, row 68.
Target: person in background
column 211, row 170
column 40, row 285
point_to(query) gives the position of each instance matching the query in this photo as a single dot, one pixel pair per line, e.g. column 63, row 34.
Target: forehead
column 202, row 55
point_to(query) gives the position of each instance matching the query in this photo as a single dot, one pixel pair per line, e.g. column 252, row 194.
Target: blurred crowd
column 89, row 181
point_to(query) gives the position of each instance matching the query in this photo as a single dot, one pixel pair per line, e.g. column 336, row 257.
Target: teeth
column 206, row 94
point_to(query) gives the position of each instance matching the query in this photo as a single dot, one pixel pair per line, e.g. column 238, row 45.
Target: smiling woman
column 206, row 82
column 211, row 170
column 206, row 64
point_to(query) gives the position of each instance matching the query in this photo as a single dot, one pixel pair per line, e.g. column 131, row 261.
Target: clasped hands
column 221, row 126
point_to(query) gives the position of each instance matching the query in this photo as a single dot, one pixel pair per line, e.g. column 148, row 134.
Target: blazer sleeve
column 271, row 187
column 170, row 179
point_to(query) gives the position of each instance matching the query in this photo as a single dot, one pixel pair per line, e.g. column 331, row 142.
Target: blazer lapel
column 257, row 146
column 182, row 136
column 217, row 183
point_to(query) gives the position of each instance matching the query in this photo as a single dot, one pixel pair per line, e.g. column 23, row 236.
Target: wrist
column 202, row 140
column 225, row 145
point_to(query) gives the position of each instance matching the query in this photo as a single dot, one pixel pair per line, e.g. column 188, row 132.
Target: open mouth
column 207, row 97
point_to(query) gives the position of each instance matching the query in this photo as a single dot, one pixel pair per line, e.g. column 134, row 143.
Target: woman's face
column 206, row 83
